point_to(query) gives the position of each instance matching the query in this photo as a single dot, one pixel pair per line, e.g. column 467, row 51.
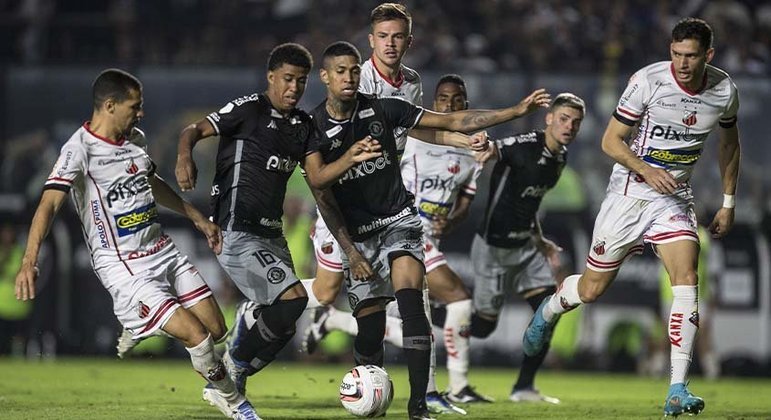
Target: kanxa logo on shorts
column 143, row 310
column 276, row 275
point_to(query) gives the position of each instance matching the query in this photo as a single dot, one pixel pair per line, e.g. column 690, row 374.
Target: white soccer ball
column 366, row 391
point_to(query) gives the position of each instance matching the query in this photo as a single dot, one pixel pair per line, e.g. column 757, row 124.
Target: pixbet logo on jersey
column 436, row 183
column 535, row 191
column 368, row 167
column 280, row 164
column 128, row 189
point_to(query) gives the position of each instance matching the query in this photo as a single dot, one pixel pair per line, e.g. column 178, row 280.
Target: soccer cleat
column 238, row 371
column 126, row 343
column 316, row 331
column 539, row 331
column 468, row 395
column 531, row 395
column 236, row 334
column 245, row 411
column 437, row 404
column 422, row 414
column 680, row 400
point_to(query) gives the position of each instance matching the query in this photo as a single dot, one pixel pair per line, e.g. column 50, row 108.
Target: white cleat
column 531, row 395
column 126, row 343
column 239, row 409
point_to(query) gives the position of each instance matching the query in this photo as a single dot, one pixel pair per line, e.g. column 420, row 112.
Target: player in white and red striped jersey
column 674, row 105
column 112, row 182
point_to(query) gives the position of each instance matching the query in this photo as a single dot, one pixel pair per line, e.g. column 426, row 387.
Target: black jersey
column 258, row 151
column 371, row 194
column 525, row 172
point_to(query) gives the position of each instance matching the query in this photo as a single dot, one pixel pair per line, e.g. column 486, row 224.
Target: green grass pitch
column 162, row 389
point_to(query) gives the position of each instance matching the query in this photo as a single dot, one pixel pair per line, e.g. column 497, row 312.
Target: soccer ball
column 366, row 391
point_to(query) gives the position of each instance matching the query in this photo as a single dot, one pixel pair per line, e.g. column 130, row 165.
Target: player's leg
column 368, row 344
column 323, row 289
column 680, row 259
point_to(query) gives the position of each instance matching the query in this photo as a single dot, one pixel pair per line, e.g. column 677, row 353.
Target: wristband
column 729, row 201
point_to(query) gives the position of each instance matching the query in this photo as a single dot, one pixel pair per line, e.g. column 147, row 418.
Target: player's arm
column 546, row 246
column 186, row 171
column 333, row 217
column 614, row 145
column 476, row 142
column 728, row 157
column 321, row 175
column 460, row 211
column 50, row 203
column 473, row 120
column 169, row 198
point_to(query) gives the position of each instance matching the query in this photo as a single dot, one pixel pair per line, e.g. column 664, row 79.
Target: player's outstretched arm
column 476, row 142
column 729, row 152
column 50, row 203
column 613, row 145
column 320, row 175
column 333, row 217
column 186, row 171
column 476, row 119
column 168, row 198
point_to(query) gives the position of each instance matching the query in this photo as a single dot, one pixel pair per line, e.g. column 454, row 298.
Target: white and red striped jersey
column 673, row 124
column 109, row 185
column 436, row 175
column 407, row 87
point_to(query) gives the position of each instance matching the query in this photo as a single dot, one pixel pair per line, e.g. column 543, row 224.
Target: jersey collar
column 399, row 77
column 683, row 87
column 119, row 142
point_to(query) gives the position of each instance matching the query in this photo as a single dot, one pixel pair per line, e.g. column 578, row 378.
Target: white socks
column 312, row 301
column 683, row 324
column 343, row 321
column 564, row 300
column 456, row 341
column 211, row 368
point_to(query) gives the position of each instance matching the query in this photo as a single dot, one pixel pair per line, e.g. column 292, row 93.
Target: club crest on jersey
column 689, row 118
column 376, row 128
column 276, row 275
column 131, row 167
column 454, row 166
column 143, row 310
column 599, row 248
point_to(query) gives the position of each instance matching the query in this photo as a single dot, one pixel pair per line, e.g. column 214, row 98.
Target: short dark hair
column 292, row 54
column 452, row 78
column 569, row 100
column 391, row 11
column 693, row 28
column 339, row 49
column 114, row 84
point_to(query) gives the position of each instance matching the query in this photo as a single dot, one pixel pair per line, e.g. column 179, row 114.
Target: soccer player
column 509, row 252
column 262, row 138
column 675, row 105
column 373, row 216
column 444, row 187
column 114, row 186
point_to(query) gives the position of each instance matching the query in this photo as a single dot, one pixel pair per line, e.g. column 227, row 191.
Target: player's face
column 689, row 60
column 341, row 75
column 389, row 41
column 126, row 114
column 563, row 123
column 286, row 86
column 450, row 97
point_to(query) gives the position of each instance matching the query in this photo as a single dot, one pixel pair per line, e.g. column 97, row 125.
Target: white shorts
column 144, row 302
column 624, row 224
column 326, row 248
column 434, row 258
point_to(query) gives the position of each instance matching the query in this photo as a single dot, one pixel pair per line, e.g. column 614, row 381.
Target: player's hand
column 213, row 234
column 359, row 266
column 538, row 99
column 186, row 172
column 489, row 153
column 25, row 281
column 551, row 251
column 440, row 226
column 478, row 142
column 659, row 179
column 722, row 223
column 364, row 149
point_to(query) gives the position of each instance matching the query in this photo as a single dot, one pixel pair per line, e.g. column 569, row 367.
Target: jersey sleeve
column 69, row 168
column 367, row 82
column 227, row 121
column 401, row 113
column 507, row 149
column 729, row 117
column 632, row 103
column 313, row 140
column 469, row 187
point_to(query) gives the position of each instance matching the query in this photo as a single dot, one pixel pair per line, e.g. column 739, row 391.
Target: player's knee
column 689, row 278
column 482, row 327
column 218, row 330
column 328, row 295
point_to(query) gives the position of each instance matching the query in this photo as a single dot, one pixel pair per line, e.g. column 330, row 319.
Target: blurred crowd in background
column 452, row 35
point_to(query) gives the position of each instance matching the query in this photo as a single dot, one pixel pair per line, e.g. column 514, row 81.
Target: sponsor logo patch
column 136, row 220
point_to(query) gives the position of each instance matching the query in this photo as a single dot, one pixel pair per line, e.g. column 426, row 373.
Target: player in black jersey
column 510, row 253
column 373, row 216
column 262, row 139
